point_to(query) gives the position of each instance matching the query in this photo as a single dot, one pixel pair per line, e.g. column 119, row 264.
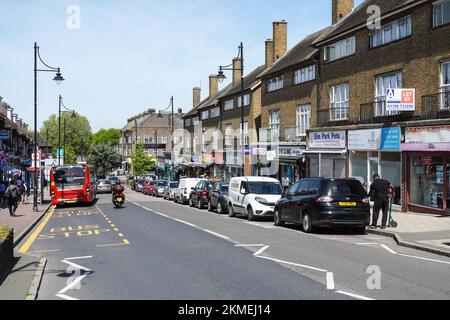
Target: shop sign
column 401, row 100
column 390, row 139
column 327, row 140
column 286, row 151
column 4, row 135
column 427, row 139
column 364, row 139
column 259, row 151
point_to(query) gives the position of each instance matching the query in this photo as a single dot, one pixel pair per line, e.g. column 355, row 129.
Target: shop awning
column 325, row 151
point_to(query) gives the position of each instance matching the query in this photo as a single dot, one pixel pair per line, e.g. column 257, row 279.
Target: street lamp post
column 221, row 77
column 58, row 78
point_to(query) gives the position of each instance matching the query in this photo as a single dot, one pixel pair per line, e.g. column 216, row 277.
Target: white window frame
column 246, row 98
column 215, row 113
column 275, row 117
column 246, row 137
column 204, row 115
column 146, row 139
column 303, row 117
column 163, row 139
column 438, row 13
column 340, row 49
column 228, row 105
column 380, row 95
column 275, row 84
column 339, row 102
column 228, row 135
column 305, row 74
column 393, row 31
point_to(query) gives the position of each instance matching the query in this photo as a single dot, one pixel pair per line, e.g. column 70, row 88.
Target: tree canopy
column 104, row 159
column 142, row 163
column 78, row 135
column 110, row 137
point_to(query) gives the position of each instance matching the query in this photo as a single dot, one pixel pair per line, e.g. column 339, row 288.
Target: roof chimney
column 341, row 8
column 197, row 94
column 269, row 53
column 213, row 85
column 237, row 65
column 279, row 39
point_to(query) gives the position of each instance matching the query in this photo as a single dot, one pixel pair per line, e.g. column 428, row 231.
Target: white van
column 183, row 192
column 253, row 196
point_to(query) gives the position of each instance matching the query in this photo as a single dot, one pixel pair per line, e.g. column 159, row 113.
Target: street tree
column 78, row 135
column 104, row 159
column 142, row 163
column 110, row 137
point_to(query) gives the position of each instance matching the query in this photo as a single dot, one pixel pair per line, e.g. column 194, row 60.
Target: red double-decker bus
column 72, row 184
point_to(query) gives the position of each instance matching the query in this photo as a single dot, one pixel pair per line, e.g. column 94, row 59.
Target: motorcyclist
column 118, row 192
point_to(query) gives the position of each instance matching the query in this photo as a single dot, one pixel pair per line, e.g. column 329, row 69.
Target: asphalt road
column 155, row 249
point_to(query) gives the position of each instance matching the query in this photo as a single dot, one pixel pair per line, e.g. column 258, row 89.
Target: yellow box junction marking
column 36, row 232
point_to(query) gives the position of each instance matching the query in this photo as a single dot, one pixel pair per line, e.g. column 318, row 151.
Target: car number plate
column 71, row 201
column 119, row 199
column 347, row 204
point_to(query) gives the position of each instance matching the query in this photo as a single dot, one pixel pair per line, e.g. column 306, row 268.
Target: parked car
column 140, row 185
column 158, row 189
column 200, row 194
column 321, row 202
column 169, row 190
column 183, row 192
column 114, row 180
column 253, row 196
column 218, row 198
column 148, row 187
column 151, row 177
column 104, row 186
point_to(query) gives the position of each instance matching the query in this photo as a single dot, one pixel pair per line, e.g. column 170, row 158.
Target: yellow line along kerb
column 36, row 232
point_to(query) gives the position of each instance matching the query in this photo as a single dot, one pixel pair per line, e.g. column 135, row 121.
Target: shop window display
column 427, row 181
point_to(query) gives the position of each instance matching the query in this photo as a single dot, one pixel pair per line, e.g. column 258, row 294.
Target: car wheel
column 307, row 224
column 231, row 212
column 191, row 203
column 250, row 215
column 209, row 206
column 278, row 221
column 219, row 208
column 200, row 204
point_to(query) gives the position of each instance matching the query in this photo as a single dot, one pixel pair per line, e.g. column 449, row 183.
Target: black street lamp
column 221, row 77
column 58, row 78
column 61, row 104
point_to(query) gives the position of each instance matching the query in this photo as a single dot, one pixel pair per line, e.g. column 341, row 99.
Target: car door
column 241, row 196
column 285, row 203
column 196, row 193
column 309, row 200
column 214, row 198
column 298, row 201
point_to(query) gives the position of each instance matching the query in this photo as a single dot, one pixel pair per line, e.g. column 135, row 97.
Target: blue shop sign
column 390, row 139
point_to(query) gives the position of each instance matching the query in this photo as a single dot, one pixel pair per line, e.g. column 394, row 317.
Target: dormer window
column 340, row 49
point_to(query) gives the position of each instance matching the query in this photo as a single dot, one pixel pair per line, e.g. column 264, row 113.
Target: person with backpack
column 12, row 195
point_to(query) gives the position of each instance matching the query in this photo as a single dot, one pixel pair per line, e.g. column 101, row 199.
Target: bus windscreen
column 70, row 177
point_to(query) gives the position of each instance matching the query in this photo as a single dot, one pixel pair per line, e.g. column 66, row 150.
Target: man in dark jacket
column 12, row 195
column 379, row 193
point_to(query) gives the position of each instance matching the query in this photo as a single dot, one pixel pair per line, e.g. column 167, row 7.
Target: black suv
column 321, row 202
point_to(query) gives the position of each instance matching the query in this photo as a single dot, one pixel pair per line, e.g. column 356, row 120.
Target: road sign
column 60, row 152
column 401, row 100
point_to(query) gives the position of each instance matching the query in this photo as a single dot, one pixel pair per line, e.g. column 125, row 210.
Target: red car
column 149, row 185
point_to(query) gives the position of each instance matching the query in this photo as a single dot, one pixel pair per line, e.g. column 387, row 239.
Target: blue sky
column 130, row 55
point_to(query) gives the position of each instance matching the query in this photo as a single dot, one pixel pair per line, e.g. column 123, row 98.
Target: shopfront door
column 373, row 168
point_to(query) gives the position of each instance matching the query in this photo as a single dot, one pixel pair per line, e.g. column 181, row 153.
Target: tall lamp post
column 58, row 78
column 61, row 105
column 221, row 77
column 171, row 105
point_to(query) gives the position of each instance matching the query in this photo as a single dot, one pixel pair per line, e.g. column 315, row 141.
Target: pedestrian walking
column 24, row 193
column 379, row 193
column 2, row 192
column 12, row 194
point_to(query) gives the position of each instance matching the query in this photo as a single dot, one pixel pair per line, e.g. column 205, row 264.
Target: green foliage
column 110, row 137
column 78, row 135
column 104, row 159
column 4, row 232
column 142, row 163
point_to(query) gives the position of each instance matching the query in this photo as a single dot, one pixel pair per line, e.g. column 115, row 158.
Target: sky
column 122, row 57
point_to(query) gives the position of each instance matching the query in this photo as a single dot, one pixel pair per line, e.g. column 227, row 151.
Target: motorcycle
column 118, row 197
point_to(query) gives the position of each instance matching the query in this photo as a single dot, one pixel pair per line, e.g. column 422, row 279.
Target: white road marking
column 367, row 244
column 78, row 258
column 249, row 245
column 74, row 283
column 421, row 258
column 186, row 223
column 293, row 264
column 75, row 265
column 388, row 249
column 330, row 281
column 259, row 252
column 65, row 297
column 355, row 296
column 216, row 234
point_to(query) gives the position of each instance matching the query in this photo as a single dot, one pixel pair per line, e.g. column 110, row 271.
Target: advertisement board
column 400, row 100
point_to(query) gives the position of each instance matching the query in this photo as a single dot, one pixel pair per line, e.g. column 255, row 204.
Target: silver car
column 169, row 190
column 104, row 186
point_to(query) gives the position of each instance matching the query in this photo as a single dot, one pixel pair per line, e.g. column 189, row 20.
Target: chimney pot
column 279, row 39
column 197, row 94
column 213, row 85
column 269, row 53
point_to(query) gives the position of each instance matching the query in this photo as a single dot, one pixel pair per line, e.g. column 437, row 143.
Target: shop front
column 427, row 152
column 327, row 154
column 292, row 162
column 376, row 151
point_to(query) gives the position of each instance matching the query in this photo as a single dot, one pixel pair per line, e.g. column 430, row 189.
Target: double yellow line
column 35, row 234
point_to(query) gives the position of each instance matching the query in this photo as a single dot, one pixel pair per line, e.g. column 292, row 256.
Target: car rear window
column 162, row 183
column 344, row 188
column 174, row 184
